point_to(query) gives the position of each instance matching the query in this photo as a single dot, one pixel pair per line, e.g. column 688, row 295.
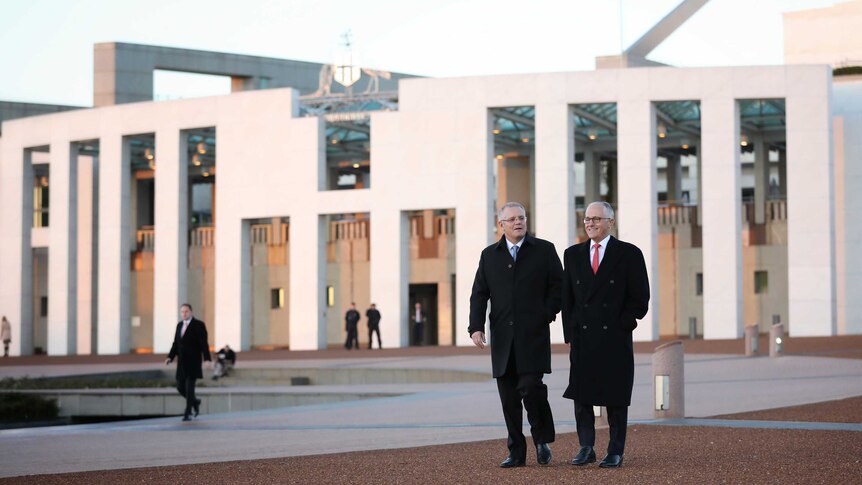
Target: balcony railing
column 443, row 225
column 146, row 238
column 198, row 237
column 202, row 237
column 262, row 234
column 345, row 230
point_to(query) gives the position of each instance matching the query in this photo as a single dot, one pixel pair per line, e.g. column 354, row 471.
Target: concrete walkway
column 423, row 414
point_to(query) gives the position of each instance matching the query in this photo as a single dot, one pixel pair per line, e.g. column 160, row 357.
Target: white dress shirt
column 603, row 246
column 510, row 245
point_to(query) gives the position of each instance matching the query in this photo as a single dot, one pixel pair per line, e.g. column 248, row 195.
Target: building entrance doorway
column 426, row 296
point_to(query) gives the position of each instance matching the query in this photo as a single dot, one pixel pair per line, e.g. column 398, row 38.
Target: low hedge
column 17, row 407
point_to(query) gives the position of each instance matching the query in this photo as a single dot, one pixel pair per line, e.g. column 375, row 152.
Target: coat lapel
column 522, row 252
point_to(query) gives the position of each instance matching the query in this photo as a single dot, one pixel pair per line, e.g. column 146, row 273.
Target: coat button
column 585, row 327
column 510, row 265
column 605, row 327
column 604, row 305
column 577, row 282
column 612, row 281
column 511, row 323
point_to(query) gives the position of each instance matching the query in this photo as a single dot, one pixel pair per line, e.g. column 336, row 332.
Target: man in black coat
column 351, row 325
column 373, row 317
column 190, row 344
column 605, row 292
column 521, row 275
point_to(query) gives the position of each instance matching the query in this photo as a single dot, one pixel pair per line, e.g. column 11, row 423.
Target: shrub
column 17, row 407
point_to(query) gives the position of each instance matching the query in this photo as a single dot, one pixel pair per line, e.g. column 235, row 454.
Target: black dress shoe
column 187, row 418
column 585, row 455
column 611, row 461
column 511, row 463
column 197, row 407
column 543, row 453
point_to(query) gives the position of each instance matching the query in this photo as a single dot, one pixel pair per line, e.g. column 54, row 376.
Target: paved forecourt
column 414, row 415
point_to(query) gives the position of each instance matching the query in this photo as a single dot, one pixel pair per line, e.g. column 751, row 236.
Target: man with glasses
column 521, row 275
column 605, row 292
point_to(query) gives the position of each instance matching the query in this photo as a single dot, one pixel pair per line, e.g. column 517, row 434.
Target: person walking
column 605, row 291
column 520, row 275
column 190, row 345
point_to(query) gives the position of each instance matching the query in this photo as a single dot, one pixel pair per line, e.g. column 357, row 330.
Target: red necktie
column 596, row 258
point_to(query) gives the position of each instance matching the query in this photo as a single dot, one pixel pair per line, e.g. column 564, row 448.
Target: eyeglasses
column 512, row 220
column 588, row 220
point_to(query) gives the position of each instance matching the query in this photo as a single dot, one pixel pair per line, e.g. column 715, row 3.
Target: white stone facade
column 435, row 152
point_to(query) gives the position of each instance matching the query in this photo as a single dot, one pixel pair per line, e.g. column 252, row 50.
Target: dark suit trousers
column 371, row 331
column 617, row 421
column 514, row 389
column 186, row 387
column 352, row 338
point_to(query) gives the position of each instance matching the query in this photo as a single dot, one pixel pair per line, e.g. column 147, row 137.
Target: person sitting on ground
column 225, row 360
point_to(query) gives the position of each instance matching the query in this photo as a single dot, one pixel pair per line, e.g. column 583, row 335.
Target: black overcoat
column 599, row 314
column 525, row 299
column 191, row 348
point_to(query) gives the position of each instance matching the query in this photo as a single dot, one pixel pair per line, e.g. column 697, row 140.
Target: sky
column 46, row 46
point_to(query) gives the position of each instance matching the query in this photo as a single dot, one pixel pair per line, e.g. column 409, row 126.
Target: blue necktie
column 514, row 253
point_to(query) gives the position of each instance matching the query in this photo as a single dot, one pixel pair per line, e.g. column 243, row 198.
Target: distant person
column 351, row 325
column 418, row 318
column 605, row 292
column 190, row 344
column 225, row 360
column 6, row 336
column 373, row 317
column 520, row 275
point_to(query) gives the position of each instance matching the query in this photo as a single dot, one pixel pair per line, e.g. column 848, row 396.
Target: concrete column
column 592, row 177
column 810, row 184
column 699, row 164
column 114, row 245
column 233, row 287
column 427, row 224
column 721, row 220
column 782, row 174
column 62, row 249
column 674, row 179
column 16, row 253
column 637, row 208
column 474, row 213
column 88, row 249
column 308, row 281
column 761, row 179
column 170, row 262
column 390, row 270
column 554, row 210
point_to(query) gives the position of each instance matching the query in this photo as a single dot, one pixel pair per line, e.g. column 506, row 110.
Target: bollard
column 601, row 418
column 776, row 340
column 669, row 380
column 752, row 343
column 692, row 328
